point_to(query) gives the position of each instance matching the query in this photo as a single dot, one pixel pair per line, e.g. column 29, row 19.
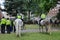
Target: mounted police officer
column 43, row 16
column 41, row 22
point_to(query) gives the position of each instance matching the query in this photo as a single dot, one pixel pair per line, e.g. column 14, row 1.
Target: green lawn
column 31, row 36
column 31, row 26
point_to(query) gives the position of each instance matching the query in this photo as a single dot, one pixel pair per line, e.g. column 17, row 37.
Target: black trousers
column 14, row 29
column 3, row 28
column 8, row 28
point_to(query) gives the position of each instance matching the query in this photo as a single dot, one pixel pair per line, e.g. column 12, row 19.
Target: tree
column 58, row 15
column 36, row 6
column 45, row 5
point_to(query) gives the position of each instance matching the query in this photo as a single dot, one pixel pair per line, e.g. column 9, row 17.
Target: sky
column 2, row 4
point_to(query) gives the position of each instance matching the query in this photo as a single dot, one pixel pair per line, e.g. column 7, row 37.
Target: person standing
column 8, row 24
column 18, row 23
column 3, row 24
column 14, row 28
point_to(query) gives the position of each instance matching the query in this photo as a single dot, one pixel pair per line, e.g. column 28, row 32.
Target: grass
column 31, row 36
column 32, row 26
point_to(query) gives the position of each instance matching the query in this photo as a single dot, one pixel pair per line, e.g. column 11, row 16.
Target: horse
column 47, row 21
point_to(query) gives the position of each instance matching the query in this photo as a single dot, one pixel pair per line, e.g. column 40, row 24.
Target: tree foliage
column 39, row 6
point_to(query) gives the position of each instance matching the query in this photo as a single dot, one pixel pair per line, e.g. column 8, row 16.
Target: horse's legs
column 46, row 28
column 49, row 29
column 42, row 28
column 39, row 28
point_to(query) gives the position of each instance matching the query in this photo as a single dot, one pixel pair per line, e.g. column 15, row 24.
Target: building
column 1, row 15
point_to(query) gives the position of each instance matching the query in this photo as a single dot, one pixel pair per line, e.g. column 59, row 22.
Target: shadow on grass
column 45, row 33
column 25, row 34
column 28, row 34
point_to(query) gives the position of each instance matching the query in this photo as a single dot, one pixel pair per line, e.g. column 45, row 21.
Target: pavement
column 36, row 30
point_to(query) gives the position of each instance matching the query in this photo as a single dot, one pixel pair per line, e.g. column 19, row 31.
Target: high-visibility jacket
column 19, row 17
column 8, row 22
column 43, row 16
column 3, row 21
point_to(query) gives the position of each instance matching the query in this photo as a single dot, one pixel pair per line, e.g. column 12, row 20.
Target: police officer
column 18, row 16
column 3, row 24
column 8, row 24
column 41, row 21
column 43, row 16
column 18, row 23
